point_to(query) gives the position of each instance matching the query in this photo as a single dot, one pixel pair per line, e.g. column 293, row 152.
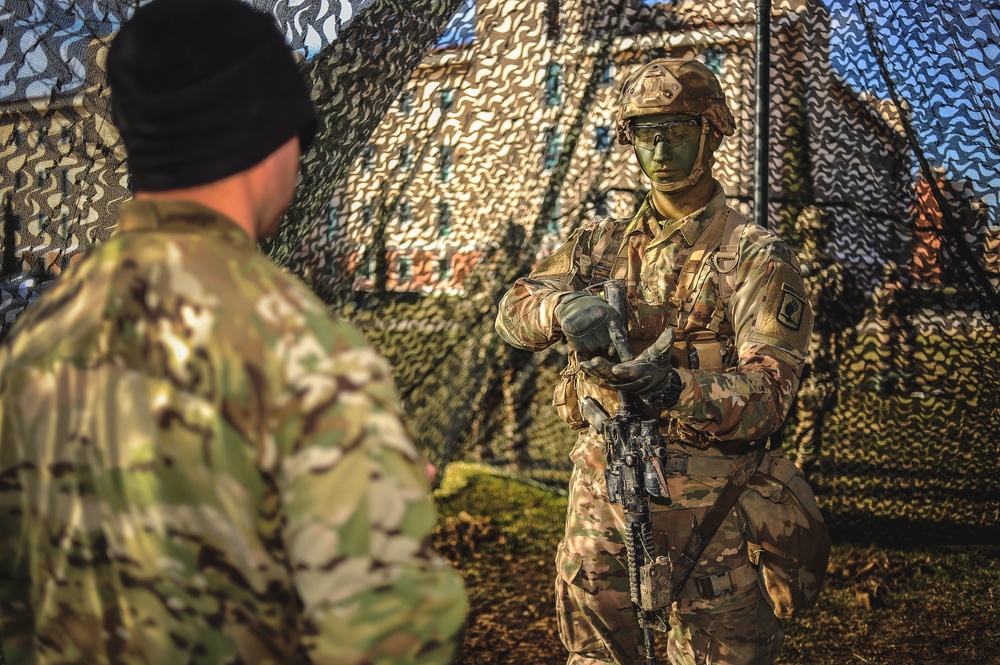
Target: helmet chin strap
column 697, row 171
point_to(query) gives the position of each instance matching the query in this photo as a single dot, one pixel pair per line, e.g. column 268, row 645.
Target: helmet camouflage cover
column 667, row 86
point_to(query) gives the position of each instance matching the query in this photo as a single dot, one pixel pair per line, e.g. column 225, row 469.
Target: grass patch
column 521, row 510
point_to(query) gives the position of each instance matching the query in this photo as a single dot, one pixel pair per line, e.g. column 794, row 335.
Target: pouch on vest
column 787, row 540
column 566, row 397
column 703, row 350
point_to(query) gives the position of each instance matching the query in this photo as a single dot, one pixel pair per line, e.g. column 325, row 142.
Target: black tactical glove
column 586, row 321
column 650, row 375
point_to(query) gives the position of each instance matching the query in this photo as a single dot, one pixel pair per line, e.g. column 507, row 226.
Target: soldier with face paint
column 731, row 293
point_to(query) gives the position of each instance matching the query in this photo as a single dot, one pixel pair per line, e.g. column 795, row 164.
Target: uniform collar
column 650, row 223
column 646, row 220
column 175, row 216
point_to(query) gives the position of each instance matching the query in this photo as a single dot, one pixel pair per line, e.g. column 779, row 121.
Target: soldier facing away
column 732, row 294
column 197, row 463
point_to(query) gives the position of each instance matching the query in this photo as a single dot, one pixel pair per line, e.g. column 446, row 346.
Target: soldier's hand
column 586, row 321
column 646, row 376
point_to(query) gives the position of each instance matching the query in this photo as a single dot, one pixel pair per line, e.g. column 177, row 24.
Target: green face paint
column 667, row 146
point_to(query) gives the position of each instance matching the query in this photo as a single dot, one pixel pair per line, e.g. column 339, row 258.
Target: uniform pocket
column 567, row 566
column 573, row 628
column 590, row 457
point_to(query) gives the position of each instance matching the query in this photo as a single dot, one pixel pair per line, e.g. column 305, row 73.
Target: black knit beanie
column 203, row 89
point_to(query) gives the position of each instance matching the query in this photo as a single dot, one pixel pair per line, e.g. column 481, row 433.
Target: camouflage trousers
column 597, row 623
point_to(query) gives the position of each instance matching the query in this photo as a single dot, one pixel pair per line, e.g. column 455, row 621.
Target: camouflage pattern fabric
column 199, row 465
column 596, row 618
column 836, row 142
column 761, row 335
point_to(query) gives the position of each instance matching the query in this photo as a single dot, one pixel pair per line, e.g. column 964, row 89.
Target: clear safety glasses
column 672, row 133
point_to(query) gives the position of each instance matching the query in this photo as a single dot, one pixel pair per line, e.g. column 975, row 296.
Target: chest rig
column 702, row 338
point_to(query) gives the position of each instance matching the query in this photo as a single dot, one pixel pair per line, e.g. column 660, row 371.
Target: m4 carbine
column 634, row 446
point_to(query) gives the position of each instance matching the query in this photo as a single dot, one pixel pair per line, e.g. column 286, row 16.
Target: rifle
column 633, row 475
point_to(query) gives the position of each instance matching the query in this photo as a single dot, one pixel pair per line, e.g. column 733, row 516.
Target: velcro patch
column 783, row 317
column 559, row 264
column 791, row 308
column 659, row 87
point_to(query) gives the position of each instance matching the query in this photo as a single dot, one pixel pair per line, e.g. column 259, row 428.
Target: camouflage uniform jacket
column 751, row 335
column 198, row 464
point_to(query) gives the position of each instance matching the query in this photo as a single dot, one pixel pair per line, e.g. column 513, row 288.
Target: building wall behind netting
column 459, row 148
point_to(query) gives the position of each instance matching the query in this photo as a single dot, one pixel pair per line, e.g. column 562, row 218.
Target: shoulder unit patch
column 791, row 307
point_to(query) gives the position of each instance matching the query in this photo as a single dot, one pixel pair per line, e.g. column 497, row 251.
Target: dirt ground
column 511, row 617
column 882, row 605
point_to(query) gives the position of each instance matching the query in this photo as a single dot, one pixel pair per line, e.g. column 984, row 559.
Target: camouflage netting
column 461, row 140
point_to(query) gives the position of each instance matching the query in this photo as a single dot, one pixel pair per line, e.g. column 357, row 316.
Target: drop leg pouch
column 788, row 541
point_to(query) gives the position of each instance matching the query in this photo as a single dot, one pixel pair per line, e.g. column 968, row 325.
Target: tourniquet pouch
column 787, row 540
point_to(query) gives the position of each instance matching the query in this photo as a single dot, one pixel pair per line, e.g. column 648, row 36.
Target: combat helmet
column 669, row 86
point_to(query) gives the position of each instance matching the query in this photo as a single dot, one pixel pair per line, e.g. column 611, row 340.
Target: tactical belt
column 693, row 465
column 712, row 586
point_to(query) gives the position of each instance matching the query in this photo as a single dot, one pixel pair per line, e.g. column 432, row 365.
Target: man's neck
column 228, row 197
column 677, row 205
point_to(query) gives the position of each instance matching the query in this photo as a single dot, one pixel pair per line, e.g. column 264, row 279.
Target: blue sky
column 43, row 42
column 943, row 59
column 461, row 30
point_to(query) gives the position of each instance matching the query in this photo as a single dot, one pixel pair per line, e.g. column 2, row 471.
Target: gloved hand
column 650, row 375
column 585, row 320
